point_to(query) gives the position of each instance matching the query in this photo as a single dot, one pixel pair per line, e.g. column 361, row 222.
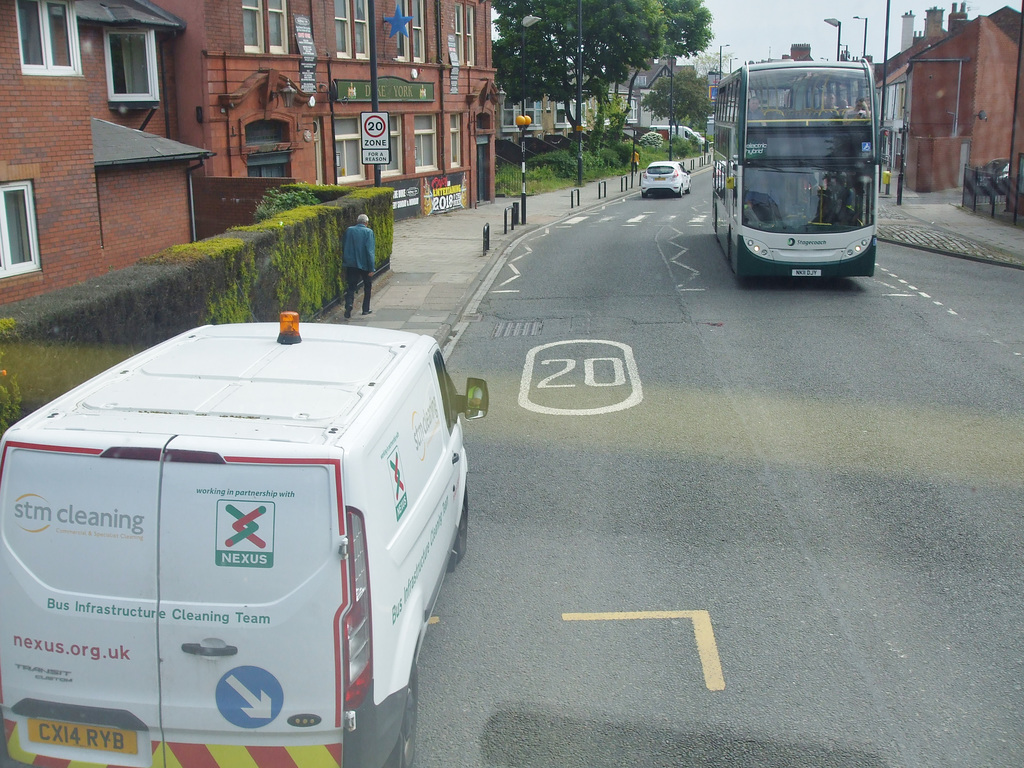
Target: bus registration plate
column 806, row 273
column 83, row 736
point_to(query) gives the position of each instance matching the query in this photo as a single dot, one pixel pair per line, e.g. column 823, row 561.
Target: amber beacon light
column 289, row 328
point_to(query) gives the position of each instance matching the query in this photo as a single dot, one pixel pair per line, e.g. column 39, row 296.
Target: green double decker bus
column 796, row 169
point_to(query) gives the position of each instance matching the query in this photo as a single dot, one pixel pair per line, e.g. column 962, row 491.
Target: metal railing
column 989, row 191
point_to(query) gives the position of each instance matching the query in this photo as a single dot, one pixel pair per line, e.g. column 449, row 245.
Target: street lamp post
column 579, row 93
column 720, row 59
column 523, row 121
column 671, row 104
column 839, row 35
column 888, row 143
column 864, row 52
column 374, row 96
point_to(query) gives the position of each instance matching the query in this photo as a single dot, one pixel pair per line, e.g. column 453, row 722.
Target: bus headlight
column 758, row 249
column 857, row 248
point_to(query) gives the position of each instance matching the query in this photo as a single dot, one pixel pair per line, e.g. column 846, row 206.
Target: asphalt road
column 723, row 523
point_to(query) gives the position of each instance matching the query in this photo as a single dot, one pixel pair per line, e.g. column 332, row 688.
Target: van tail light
column 358, row 625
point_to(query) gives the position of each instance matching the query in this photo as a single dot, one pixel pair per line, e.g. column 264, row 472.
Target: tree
column 707, row 62
column 690, row 101
column 689, row 27
column 618, row 36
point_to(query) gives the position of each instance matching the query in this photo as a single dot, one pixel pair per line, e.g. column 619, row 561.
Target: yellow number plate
column 83, row 736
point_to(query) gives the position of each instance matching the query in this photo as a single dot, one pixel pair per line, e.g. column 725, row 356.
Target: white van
column 225, row 550
column 680, row 131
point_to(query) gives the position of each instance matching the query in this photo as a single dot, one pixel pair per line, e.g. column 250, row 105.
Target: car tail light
column 358, row 624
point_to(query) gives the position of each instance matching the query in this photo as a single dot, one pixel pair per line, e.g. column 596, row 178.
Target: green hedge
column 290, row 261
column 10, row 395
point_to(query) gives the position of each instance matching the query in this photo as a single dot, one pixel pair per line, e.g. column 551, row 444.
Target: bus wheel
column 714, row 215
column 729, row 251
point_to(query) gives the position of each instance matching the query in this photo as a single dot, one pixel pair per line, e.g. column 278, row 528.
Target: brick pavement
column 915, row 226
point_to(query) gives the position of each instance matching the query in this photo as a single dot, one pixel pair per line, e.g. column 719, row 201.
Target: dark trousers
column 353, row 276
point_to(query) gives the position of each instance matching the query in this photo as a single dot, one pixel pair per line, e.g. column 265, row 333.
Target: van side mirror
column 476, row 399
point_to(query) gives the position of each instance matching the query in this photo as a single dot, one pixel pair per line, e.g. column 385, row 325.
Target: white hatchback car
column 667, row 175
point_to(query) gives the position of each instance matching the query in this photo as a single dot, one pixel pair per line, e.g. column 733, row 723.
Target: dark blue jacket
column 358, row 249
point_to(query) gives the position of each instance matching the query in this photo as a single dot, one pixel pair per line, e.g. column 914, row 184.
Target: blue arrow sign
column 249, row 697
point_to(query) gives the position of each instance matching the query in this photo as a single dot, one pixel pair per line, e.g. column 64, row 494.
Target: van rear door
column 252, row 590
column 78, row 643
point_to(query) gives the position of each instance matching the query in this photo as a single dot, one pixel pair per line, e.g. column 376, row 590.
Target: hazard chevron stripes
column 173, row 755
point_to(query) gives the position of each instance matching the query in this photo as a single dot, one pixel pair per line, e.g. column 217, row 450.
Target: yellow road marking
column 702, row 632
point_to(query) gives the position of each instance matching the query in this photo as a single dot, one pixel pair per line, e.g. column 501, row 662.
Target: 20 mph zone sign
column 375, row 138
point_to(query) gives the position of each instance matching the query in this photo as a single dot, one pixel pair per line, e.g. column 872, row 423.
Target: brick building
column 140, row 126
column 80, row 81
column 950, row 96
column 256, row 80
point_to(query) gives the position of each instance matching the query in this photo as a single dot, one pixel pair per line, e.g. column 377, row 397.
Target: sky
column 754, row 30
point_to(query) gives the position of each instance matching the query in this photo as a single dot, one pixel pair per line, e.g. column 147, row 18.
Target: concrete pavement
column 438, row 263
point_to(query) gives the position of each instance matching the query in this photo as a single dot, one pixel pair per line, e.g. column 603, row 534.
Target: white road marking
column 516, row 276
column 565, row 374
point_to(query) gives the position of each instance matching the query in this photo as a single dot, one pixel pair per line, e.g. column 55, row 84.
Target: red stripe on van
column 192, row 755
column 272, row 757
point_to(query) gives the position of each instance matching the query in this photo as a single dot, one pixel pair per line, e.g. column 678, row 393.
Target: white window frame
column 342, row 29
column 360, row 29
column 534, row 109
column 7, row 269
column 459, row 35
column 45, row 39
column 418, row 12
column 561, row 115
column 348, row 142
column 469, row 59
column 455, row 133
column 152, row 92
column 253, row 9
column 403, row 43
column 422, row 136
column 277, row 11
column 394, row 168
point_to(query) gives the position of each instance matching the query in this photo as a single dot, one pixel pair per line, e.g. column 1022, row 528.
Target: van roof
column 236, row 381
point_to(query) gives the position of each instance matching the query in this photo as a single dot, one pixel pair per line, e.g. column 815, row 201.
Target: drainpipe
column 1015, row 178
column 442, row 128
column 334, row 139
column 191, row 198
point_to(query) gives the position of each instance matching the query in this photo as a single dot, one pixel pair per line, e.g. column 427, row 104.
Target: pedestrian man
column 358, row 253
column 636, row 161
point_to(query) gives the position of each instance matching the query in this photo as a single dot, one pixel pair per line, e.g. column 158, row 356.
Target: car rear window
column 660, row 169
